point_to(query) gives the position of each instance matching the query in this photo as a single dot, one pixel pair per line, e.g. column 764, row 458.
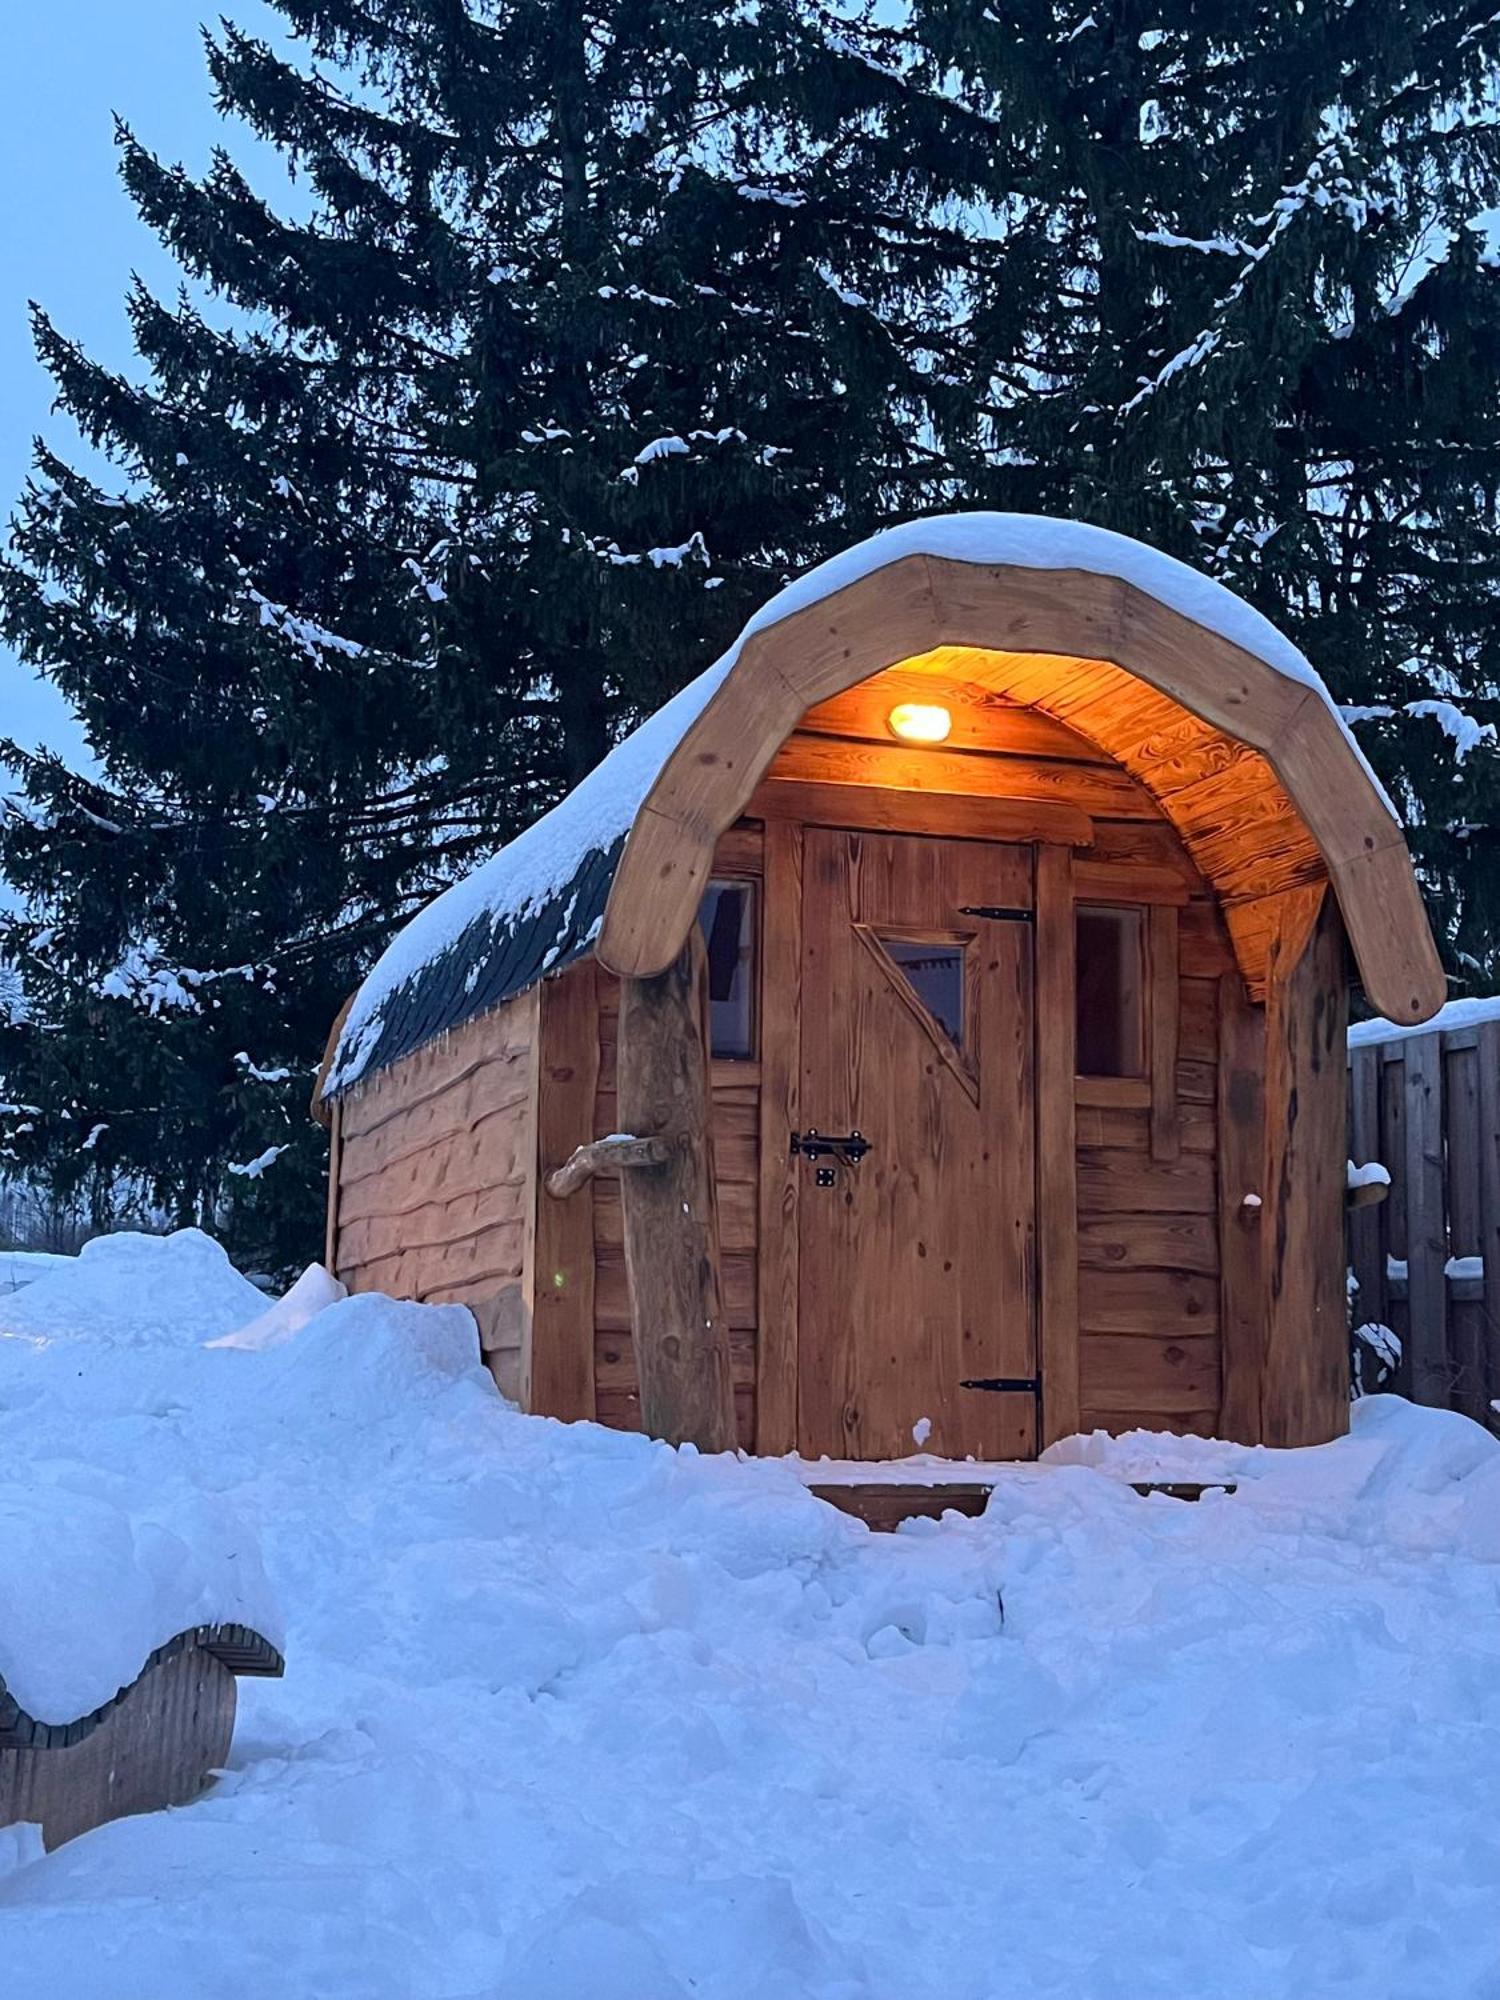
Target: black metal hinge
column 998, row 912
column 1020, row 1385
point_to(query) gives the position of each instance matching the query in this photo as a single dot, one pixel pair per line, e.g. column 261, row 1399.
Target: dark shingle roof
column 494, row 957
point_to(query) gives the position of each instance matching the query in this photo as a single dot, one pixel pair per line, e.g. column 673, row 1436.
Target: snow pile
column 540, row 863
column 142, row 1289
column 101, row 1569
column 314, row 1292
column 569, row 1714
column 24, row 1267
column 1404, row 1477
column 104, row 1563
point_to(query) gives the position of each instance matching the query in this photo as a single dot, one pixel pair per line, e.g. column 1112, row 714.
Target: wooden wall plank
column 1145, row 1376
column 560, row 1375
column 1149, row 1242
column 1115, row 1182
column 777, row 1192
column 1127, row 1128
column 1057, row 1193
column 947, row 815
column 1159, row 1303
column 1093, row 788
column 483, row 1260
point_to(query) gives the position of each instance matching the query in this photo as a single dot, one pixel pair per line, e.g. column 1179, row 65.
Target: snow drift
column 567, row 1713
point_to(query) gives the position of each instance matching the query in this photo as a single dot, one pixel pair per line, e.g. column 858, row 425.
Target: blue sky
column 68, row 235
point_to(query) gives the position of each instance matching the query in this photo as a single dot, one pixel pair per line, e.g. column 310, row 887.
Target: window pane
column 1111, row 992
column 936, row 975
column 727, row 916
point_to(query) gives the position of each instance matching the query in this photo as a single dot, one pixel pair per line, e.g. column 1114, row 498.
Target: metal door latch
column 850, row 1148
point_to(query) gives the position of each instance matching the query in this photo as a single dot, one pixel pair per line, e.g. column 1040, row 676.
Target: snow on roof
column 431, row 976
column 1457, row 1014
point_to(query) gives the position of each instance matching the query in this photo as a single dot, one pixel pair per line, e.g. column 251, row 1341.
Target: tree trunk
column 671, row 1211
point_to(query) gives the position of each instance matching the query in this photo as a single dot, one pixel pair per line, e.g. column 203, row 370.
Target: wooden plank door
column 916, row 1266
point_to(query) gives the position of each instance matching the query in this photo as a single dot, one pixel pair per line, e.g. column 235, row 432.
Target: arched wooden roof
column 1247, row 758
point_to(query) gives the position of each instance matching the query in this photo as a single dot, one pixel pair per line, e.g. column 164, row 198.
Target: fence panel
column 1426, row 1261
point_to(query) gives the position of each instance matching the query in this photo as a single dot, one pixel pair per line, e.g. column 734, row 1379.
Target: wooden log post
column 1305, row 1386
column 1242, row 1218
column 670, row 1210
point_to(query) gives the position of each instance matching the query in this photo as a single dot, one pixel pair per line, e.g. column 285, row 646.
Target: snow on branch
column 251, row 1170
column 1325, row 186
column 1461, row 728
column 146, row 979
column 312, row 637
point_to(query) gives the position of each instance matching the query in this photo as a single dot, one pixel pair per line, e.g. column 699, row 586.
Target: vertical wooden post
column 1366, row 1225
column 670, row 1212
column 1242, row 1234
column 1057, row 1151
column 335, row 1169
column 1305, row 1386
column 560, row 1349
column 1426, row 1224
column 1488, row 1055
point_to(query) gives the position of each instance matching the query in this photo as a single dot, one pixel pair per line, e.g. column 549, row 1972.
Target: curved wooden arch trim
column 920, row 603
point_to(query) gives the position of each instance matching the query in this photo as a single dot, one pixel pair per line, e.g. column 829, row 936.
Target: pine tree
column 1240, row 300
column 605, row 318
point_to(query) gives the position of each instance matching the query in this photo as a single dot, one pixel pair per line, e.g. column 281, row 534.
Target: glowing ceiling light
column 920, row 722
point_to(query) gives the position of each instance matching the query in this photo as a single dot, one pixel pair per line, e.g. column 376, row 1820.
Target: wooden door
column 916, row 1266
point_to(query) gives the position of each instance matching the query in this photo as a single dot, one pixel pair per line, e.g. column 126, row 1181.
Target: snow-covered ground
column 569, row 1716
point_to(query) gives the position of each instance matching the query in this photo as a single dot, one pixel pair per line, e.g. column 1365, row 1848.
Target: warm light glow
column 920, row 722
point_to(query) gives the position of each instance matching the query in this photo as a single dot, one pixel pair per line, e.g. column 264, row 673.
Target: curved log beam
column 1051, row 621
column 606, row 1156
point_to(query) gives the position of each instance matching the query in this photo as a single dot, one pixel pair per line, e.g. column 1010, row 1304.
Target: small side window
column 727, row 918
column 1111, row 990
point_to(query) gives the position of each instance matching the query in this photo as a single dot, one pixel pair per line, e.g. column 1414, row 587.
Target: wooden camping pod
column 909, row 1208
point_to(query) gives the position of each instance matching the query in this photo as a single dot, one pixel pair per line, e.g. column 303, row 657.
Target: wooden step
column 884, row 1504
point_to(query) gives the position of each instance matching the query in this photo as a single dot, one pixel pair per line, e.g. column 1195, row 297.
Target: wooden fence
column 1427, row 1260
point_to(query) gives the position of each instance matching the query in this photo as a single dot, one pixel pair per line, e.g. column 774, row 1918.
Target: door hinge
column 998, row 912
column 1020, row 1385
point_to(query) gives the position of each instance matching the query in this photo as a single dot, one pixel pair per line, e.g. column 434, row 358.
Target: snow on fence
column 1426, row 1261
